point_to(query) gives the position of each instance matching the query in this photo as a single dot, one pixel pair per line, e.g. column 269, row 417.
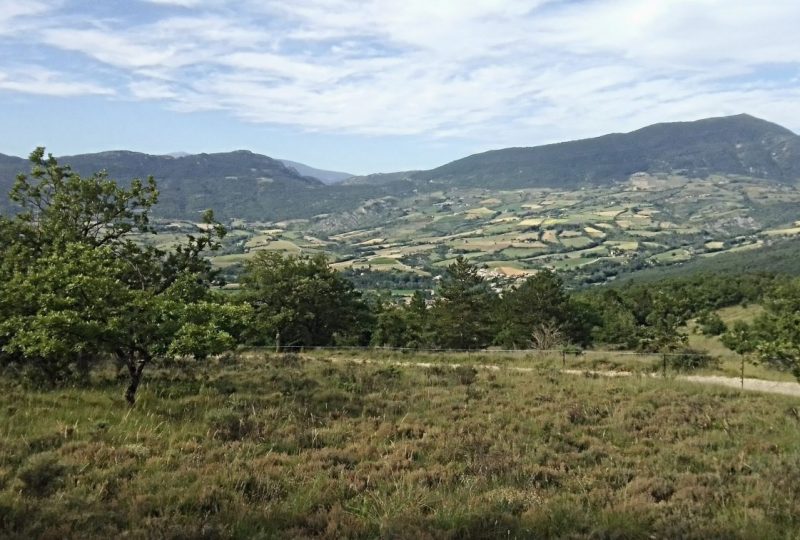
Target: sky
column 382, row 85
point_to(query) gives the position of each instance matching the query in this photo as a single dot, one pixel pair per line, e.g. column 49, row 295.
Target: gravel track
column 753, row 385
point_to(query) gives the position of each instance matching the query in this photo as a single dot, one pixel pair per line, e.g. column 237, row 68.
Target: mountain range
column 254, row 187
column 328, row 177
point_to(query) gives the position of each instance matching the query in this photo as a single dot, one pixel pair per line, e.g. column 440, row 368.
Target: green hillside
column 237, row 184
column 713, row 193
column 254, row 187
column 739, row 145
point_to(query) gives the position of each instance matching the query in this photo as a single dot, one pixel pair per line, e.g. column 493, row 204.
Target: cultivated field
column 588, row 233
column 263, row 445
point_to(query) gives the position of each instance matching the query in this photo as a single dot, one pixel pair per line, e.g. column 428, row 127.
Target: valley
column 399, row 270
column 594, row 210
column 590, row 235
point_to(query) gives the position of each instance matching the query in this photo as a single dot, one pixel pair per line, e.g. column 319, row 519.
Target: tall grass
column 300, row 446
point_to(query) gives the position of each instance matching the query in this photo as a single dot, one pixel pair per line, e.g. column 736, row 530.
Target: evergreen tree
column 462, row 314
column 402, row 325
column 539, row 306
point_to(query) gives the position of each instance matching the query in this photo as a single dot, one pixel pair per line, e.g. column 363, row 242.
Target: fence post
column 664, row 367
column 742, row 370
column 563, row 357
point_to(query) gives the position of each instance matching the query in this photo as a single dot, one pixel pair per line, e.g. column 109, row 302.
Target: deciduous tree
column 78, row 286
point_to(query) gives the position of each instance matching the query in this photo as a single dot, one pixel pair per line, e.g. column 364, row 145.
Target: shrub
column 711, row 324
column 228, row 425
column 466, row 374
column 688, row 359
column 42, row 474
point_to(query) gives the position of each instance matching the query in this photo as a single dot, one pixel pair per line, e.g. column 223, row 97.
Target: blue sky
column 381, row 85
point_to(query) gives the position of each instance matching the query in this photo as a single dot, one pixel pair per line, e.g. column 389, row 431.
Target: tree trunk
column 135, row 369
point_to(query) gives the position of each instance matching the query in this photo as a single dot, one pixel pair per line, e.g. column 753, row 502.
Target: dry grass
column 312, row 446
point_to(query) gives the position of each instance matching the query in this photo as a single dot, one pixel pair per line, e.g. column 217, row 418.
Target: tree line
column 78, row 287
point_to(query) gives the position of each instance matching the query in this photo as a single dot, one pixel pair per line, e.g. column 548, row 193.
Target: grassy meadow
column 275, row 446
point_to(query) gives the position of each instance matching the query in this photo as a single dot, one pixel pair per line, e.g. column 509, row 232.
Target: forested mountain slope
column 255, row 187
column 733, row 145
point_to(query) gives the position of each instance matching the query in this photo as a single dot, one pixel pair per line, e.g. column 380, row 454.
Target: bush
column 688, row 359
column 228, row 425
column 42, row 474
column 711, row 324
column 466, row 374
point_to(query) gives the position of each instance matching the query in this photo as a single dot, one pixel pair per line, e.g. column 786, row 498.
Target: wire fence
column 664, row 361
column 589, row 360
column 490, row 351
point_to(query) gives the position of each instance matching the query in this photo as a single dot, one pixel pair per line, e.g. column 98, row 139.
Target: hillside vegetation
column 593, row 210
column 237, row 184
column 738, row 145
column 81, row 284
column 137, row 399
column 588, row 235
column 289, row 446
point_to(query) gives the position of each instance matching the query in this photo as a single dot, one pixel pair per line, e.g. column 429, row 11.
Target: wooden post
column 742, row 371
column 278, row 342
column 664, row 367
column 564, row 357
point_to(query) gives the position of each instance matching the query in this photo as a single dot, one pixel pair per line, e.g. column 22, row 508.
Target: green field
column 674, row 221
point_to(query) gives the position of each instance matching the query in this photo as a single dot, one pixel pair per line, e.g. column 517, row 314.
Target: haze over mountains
column 250, row 186
column 328, row 177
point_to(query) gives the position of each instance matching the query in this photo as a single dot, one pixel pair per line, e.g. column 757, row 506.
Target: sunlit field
column 265, row 445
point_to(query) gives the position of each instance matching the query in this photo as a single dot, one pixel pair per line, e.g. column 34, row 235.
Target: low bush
column 42, row 474
column 689, row 359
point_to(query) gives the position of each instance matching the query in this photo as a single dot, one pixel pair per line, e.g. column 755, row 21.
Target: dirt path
column 754, row 385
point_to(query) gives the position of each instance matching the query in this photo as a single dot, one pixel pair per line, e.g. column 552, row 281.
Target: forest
column 78, row 291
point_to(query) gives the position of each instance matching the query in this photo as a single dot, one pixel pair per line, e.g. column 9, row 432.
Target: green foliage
column 711, row 324
column 541, row 314
column 59, row 206
column 395, row 326
column 79, row 289
column 617, row 325
column 740, row 338
column 62, row 308
column 404, row 325
column 774, row 336
column 662, row 331
column 463, row 311
column 300, row 301
column 688, row 359
column 649, row 315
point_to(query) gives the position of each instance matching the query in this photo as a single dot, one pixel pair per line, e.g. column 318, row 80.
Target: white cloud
column 40, row 81
column 510, row 71
column 152, row 90
column 181, row 3
column 117, row 50
column 13, row 13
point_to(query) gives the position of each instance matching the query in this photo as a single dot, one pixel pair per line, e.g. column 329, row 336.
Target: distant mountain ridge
column 232, row 183
column 328, row 177
column 255, row 187
column 736, row 145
